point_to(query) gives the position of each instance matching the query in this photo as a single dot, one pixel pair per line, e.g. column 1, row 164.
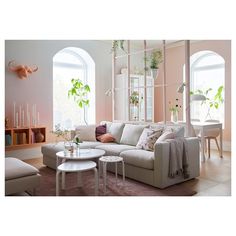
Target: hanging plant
column 155, row 59
column 118, row 44
column 134, row 98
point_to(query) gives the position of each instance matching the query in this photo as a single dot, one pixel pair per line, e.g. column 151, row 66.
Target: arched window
column 207, row 73
column 71, row 63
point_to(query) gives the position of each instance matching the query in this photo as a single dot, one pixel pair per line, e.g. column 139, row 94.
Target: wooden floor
column 215, row 177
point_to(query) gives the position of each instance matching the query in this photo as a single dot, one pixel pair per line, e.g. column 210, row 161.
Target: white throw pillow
column 166, row 135
column 86, row 132
column 148, row 138
column 131, row 134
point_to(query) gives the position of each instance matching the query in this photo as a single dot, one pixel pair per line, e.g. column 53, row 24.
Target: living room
column 154, row 80
column 123, row 89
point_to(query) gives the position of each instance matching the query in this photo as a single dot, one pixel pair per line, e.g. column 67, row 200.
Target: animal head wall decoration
column 21, row 70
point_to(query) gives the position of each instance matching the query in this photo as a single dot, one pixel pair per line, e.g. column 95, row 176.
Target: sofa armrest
column 161, row 162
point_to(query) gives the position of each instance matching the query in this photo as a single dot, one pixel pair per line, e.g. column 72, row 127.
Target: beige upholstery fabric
column 15, row 168
column 116, row 129
column 131, row 134
column 20, row 176
column 86, row 132
column 140, row 158
column 115, row 150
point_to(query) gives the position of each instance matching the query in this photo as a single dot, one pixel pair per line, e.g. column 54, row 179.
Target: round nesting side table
column 76, row 166
column 110, row 159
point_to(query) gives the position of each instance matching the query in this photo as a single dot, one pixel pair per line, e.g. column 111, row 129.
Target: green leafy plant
column 134, row 98
column 79, row 91
column 155, row 59
column 213, row 102
column 77, row 140
column 118, row 44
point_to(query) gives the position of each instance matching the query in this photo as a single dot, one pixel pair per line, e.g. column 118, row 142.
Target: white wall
column 38, row 88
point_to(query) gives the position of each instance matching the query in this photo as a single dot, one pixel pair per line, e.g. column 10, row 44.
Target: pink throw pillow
column 106, row 138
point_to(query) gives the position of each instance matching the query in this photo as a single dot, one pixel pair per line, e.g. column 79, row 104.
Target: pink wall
column 38, row 88
column 174, row 73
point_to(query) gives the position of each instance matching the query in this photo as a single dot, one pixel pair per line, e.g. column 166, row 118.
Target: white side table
column 76, row 166
column 110, row 159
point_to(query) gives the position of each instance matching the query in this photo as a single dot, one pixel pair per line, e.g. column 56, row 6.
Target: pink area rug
column 130, row 188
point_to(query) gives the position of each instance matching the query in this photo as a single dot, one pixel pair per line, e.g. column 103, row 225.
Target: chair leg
column 209, row 147
column 217, row 144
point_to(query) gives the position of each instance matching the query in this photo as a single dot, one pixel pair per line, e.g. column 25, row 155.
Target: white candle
column 20, row 116
column 28, row 119
column 14, row 114
column 16, row 119
column 35, row 117
column 38, row 119
column 23, row 118
column 33, row 124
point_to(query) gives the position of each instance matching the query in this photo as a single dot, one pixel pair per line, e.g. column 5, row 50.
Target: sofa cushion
column 131, row 134
column 166, row 135
column 52, row 148
column 115, row 129
column 100, row 130
column 139, row 158
column 115, row 150
column 86, row 132
column 106, row 138
column 15, row 168
column 148, row 138
column 179, row 130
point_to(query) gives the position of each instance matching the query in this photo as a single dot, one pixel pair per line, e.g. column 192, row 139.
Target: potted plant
column 118, row 44
column 79, row 91
column 174, row 110
column 77, row 142
column 134, row 101
column 212, row 102
column 65, row 135
column 155, row 61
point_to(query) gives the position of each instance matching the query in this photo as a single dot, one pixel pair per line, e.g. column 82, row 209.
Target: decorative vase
column 174, row 116
column 39, row 137
column 154, row 73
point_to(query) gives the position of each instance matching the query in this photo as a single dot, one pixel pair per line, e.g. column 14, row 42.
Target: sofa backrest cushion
column 179, row 130
column 86, row 132
column 131, row 134
column 115, row 129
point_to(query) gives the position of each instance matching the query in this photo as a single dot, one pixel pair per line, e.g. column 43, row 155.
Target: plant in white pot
column 155, row 61
column 79, row 91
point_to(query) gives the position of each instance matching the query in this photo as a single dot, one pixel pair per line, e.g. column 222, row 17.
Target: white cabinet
column 130, row 99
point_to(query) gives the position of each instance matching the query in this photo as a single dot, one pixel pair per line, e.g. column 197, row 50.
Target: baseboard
column 25, row 154
column 226, row 145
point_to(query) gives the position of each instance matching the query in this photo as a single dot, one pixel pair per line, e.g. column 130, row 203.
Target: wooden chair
column 212, row 134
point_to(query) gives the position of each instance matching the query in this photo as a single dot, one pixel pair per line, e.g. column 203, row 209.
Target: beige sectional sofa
column 150, row 167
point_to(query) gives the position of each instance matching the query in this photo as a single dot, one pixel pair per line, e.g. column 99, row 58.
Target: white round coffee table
column 76, row 166
column 82, row 155
column 110, row 159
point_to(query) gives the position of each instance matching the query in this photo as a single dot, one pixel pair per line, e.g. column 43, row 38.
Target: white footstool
column 76, row 166
column 110, row 159
column 20, row 176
